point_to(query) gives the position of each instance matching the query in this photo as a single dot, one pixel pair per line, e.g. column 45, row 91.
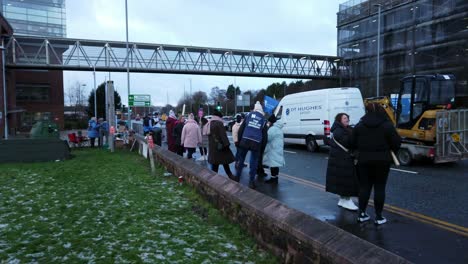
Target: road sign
column 139, row 100
column 140, row 104
column 139, row 97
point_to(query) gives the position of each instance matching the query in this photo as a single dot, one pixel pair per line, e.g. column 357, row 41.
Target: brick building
column 34, row 94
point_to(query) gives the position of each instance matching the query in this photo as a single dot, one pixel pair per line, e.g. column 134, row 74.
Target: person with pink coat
column 191, row 136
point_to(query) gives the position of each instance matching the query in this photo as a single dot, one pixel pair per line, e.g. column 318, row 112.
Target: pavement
column 427, row 219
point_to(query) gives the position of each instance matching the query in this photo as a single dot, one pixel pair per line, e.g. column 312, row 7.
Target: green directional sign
column 139, row 100
column 140, row 104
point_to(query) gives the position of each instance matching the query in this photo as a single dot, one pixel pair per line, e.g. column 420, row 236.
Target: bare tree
column 76, row 97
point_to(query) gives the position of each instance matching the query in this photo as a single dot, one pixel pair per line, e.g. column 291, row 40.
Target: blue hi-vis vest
column 253, row 127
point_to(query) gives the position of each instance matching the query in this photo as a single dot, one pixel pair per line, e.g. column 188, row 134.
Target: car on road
column 226, row 121
column 233, row 121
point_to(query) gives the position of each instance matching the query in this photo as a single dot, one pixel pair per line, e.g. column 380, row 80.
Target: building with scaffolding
column 417, row 37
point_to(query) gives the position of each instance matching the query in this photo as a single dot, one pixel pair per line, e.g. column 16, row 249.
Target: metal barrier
column 137, row 127
column 452, row 135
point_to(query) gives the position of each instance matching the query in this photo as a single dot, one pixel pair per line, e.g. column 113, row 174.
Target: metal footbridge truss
column 25, row 52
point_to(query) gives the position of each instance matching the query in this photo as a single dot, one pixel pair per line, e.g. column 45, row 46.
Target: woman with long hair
column 374, row 137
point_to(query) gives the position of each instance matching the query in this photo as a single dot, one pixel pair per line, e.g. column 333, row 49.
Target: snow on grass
column 110, row 210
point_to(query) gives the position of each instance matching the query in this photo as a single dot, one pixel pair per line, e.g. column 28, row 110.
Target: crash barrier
column 291, row 235
column 33, row 150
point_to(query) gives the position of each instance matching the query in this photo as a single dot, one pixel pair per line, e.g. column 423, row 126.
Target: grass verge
column 106, row 208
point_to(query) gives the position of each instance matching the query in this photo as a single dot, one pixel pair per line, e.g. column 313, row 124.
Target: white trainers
column 340, row 201
column 349, row 204
column 380, row 220
column 202, row 158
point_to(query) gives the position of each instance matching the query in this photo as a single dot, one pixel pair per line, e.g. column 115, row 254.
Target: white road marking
column 406, row 171
column 287, row 151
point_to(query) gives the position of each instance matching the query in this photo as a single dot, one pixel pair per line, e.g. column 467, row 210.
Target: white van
column 307, row 116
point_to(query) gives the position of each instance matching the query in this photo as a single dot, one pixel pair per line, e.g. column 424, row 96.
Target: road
column 425, row 205
column 437, row 190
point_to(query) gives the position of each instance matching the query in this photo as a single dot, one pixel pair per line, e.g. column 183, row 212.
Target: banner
column 270, row 104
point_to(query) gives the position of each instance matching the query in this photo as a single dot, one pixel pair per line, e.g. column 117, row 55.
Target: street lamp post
column 378, row 48
column 128, row 60
column 95, row 89
column 5, row 101
column 191, row 96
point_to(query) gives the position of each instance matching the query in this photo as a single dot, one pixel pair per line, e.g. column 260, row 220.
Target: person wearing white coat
column 274, row 151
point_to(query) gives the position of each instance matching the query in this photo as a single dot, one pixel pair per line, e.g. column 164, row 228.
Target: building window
column 32, row 93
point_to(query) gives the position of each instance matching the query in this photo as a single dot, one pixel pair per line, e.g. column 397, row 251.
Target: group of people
column 152, row 127
column 360, row 160
column 97, row 128
column 253, row 133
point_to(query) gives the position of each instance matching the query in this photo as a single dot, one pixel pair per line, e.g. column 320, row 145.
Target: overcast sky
column 298, row 26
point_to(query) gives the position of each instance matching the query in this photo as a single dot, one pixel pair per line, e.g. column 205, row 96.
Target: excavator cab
column 420, row 93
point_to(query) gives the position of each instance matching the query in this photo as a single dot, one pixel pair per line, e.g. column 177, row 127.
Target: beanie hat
column 171, row 114
column 258, row 107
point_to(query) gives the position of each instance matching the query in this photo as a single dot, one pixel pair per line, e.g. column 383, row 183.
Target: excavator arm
column 385, row 102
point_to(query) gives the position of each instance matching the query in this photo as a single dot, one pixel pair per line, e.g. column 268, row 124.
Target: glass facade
column 36, row 17
column 417, row 37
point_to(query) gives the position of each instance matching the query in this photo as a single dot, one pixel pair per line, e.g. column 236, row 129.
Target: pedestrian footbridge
column 26, row 52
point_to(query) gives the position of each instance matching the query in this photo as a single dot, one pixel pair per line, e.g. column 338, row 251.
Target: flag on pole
column 270, row 104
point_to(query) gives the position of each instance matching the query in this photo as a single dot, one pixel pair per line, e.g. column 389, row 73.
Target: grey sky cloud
column 299, row 26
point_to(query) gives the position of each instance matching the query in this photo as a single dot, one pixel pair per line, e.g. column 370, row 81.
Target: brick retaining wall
column 290, row 234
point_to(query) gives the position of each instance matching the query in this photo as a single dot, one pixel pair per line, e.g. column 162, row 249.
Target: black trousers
column 260, row 169
column 215, row 167
column 190, row 152
column 203, row 151
column 180, row 150
column 373, row 175
column 92, row 140
column 274, row 171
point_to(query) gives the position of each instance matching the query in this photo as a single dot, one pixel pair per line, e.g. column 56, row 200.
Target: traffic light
column 218, row 106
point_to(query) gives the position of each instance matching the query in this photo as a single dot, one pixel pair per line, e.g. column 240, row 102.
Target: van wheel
column 311, row 144
column 404, row 156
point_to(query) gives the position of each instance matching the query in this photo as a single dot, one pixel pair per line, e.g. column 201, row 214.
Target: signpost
column 143, row 100
column 243, row 100
column 139, row 100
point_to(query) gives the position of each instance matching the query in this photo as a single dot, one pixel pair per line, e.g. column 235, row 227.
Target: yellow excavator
column 430, row 118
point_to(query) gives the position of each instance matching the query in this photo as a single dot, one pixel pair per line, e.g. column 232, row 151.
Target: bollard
column 150, row 147
column 181, row 180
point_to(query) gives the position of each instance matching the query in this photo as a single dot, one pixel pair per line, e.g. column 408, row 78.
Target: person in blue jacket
column 103, row 131
column 93, row 130
column 252, row 135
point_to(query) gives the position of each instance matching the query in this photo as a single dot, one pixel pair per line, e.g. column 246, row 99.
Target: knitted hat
column 258, row 107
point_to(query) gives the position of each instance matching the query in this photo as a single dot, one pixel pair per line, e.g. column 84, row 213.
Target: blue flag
column 270, row 104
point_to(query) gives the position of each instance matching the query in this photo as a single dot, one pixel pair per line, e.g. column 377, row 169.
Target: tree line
column 225, row 98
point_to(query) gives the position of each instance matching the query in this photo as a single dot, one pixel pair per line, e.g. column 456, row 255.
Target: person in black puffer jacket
column 373, row 138
column 341, row 174
column 177, row 134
